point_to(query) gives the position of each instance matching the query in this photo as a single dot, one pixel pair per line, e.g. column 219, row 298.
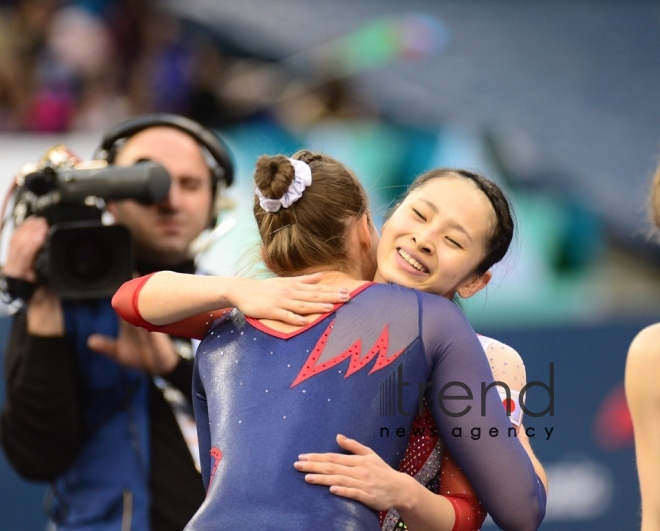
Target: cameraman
column 109, row 438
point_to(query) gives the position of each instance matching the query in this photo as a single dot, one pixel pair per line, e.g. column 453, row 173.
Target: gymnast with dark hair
column 266, row 392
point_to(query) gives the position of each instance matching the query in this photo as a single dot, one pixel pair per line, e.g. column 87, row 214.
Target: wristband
column 13, row 289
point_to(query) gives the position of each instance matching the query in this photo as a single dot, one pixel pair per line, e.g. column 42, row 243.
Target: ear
column 364, row 243
column 364, row 232
column 474, row 285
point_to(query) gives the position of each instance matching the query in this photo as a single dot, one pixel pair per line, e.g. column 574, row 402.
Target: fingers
column 316, row 293
column 297, row 315
column 334, row 464
column 313, row 278
column 288, row 317
column 311, row 307
column 328, row 474
column 102, row 344
column 323, row 470
column 348, row 482
column 343, row 486
column 352, row 493
column 24, row 245
column 353, row 446
column 314, row 300
column 329, row 480
column 307, row 288
column 307, row 460
column 351, row 476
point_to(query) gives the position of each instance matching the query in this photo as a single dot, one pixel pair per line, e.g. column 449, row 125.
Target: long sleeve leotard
column 430, row 464
column 263, row 397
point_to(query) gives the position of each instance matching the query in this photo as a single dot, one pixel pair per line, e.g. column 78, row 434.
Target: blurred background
column 557, row 101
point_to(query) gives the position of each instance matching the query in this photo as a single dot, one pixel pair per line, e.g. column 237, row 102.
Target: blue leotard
column 263, row 397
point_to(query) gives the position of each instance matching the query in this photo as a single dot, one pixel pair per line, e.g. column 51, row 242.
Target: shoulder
column 226, row 318
column 500, row 351
column 394, row 301
column 382, row 294
column 505, row 363
column 644, row 351
column 384, row 287
column 646, row 343
column 432, row 303
column 641, row 374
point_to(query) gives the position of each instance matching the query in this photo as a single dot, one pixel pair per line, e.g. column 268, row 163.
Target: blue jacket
column 107, row 486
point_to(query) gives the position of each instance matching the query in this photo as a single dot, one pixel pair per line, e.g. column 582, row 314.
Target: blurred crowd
column 83, row 65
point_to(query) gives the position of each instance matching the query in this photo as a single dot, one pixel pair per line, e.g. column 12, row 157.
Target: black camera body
column 83, row 257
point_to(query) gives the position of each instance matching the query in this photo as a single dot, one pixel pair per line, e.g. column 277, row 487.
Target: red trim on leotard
column 288, row 335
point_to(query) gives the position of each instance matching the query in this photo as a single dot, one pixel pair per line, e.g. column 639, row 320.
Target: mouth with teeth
column 410, row 260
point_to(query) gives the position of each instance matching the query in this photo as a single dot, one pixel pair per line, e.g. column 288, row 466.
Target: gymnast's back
column 264, row 397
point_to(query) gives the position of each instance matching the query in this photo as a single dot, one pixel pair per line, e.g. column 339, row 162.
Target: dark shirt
column 41, row 426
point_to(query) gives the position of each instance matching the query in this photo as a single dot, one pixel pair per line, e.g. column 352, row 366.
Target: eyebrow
column 187, row 176
column 452, row 224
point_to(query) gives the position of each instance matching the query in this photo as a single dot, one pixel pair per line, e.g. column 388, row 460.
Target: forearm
column 160, row 302
column 423, row 510
column 41, row 421
column 508, row 367
column 185, row 305
column 167, row 297
column 499, row 468
column 44, row 314
column 538, row 467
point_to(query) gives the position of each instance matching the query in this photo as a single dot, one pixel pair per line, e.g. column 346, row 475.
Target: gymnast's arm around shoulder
column 166, row 297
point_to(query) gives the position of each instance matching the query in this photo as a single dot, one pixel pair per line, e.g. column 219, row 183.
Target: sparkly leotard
column 263, row 397
column 430, row 464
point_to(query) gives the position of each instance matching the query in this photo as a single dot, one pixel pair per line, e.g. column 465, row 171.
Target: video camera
column 83, row 257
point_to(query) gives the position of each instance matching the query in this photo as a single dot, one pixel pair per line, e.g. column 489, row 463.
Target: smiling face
column 437, row 237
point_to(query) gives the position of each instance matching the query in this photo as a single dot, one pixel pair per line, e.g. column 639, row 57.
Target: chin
column 166, row 255
column 402, row 279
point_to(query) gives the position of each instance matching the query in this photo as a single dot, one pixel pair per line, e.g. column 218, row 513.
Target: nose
column 173, row 198
column 422, row 242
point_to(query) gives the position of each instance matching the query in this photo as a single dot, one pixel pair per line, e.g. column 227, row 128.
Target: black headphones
column 222, row 170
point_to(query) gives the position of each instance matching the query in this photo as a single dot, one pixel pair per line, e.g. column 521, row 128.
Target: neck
column 144, row 267
column 339, row 278
column 381, row 280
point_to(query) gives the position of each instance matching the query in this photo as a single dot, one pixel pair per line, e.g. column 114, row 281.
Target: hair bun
column 273, row 175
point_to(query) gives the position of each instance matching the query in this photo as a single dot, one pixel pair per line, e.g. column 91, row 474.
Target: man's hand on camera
column 137, row 349
column 26, row 241
column 44, row 313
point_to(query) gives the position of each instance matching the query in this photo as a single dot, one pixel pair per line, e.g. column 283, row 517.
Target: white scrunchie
column 301, row 180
